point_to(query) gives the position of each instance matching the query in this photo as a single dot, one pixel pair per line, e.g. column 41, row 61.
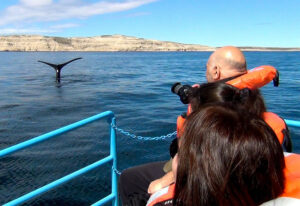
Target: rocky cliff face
column 99, row 43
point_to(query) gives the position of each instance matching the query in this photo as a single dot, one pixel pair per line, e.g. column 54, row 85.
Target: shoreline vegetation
column 105, row 43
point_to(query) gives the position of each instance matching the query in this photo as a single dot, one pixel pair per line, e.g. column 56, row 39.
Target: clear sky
column 271, row 23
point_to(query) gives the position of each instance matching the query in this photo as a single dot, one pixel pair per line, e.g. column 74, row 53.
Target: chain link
column 143, row 138
column 139, row 138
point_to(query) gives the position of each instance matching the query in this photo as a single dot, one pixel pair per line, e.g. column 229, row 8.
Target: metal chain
column 139, row 138
column 143, row 138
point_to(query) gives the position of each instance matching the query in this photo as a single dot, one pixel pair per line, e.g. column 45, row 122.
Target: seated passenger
column 246, row 99
column 227, row 156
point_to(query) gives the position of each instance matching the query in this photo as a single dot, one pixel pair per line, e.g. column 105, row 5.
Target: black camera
column 183, row 91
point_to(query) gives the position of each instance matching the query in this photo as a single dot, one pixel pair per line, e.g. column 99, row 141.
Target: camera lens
column 176, row 87
column 183, row 91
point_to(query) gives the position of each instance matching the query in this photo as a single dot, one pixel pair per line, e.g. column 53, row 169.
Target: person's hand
column 160, row 183
column 154, row 186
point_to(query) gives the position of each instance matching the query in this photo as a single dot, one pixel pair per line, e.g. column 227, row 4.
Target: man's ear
column 216, row 72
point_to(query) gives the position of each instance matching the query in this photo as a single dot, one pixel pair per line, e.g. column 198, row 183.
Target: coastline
column 105, row 43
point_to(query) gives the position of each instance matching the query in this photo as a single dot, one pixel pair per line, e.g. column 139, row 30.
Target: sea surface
column 134, row 85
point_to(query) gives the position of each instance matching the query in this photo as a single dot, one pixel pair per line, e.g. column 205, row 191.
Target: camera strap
column 229, row 78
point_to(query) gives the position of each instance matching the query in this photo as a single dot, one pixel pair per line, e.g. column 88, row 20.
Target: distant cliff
column 99, row 43
column 105, row 43
column 269, row 49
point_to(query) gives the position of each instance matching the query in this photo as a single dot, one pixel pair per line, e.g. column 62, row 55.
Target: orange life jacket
column 292, row 175
column 277, row 124
column 256, row 78
column 180, row 125
column 290, row 195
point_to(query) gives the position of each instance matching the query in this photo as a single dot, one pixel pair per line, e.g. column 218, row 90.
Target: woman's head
column 228, row 157
column 210, row 93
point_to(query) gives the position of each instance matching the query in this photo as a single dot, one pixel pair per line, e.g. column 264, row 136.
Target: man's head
column 225, row 62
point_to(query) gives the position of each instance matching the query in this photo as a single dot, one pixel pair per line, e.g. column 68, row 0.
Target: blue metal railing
column 292, row 123
column 111, row 157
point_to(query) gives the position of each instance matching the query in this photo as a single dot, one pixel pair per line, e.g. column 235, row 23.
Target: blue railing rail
column 112, row 157
column 292, row 123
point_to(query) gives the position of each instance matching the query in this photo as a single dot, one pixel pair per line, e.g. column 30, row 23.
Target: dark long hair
column 228, row 157
column 250, row 100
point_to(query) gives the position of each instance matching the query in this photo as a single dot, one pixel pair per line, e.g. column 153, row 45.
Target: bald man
column 226, row 62
column 137, row 183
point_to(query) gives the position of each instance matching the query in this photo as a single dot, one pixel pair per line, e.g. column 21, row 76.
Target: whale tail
column 58, row 67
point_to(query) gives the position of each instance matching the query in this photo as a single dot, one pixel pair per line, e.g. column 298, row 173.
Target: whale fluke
column 58, row 67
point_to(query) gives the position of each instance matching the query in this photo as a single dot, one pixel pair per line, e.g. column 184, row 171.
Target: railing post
column 113, row 152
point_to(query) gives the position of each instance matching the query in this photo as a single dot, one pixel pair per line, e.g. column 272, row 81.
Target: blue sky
column 272, row 23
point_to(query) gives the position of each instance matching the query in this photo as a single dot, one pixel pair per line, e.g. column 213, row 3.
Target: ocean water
column 134, row 85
